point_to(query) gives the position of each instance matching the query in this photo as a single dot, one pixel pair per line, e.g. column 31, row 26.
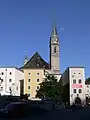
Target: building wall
column 65, row 78
column 33, row 75
column 55, row 56
column 77, row 74
column 9, row 77
column 19, row 75
column 87, row 90
column 74, row 73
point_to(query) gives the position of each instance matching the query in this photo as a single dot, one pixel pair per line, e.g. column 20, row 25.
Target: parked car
column 21, row 109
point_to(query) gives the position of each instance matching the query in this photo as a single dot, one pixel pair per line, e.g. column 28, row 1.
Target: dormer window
column 54, row 49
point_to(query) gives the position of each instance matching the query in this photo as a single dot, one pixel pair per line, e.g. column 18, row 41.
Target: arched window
column 54, row 49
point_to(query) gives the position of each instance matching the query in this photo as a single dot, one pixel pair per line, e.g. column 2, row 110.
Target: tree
column 49, row 88
column 87, row 81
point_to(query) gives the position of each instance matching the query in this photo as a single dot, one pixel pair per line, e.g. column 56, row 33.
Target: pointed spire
column 54, row 29
column 26, row 59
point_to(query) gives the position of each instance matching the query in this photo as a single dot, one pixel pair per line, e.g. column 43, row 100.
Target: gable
column 36, row 61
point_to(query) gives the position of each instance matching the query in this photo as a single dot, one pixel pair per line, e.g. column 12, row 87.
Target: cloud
column 61, row 29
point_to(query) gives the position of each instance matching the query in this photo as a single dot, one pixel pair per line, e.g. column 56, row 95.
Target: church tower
column 54, row 51
column 26, row 59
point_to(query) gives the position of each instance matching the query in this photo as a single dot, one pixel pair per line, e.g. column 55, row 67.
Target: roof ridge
column 36, row 61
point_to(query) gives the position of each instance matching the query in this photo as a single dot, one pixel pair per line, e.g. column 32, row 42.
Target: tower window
column 54, row 49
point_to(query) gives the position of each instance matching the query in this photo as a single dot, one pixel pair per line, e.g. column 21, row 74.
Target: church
column 72, row 79
column 36, row 67
column 27, row 79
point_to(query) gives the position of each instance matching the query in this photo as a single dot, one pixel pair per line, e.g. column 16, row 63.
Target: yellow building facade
column 32, row 79
column 34, row 74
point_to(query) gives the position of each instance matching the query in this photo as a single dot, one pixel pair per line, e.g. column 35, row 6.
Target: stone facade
column 54, row 51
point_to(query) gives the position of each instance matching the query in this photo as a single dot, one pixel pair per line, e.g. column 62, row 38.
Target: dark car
column 21, row 109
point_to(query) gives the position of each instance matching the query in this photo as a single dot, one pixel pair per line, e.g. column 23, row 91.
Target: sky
column 25, row 27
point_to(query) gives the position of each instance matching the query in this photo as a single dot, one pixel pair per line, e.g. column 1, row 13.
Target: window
column 73, row 73
column 74, row 90
column 10, row 88
column 54, row 49
column 37, row 73
column 37, row 80
column 28, row 87
column 1, row 80
column 87, row 86
column 80, row 91
column 73, row 76
column 36, row 90
column 88, row 91
column 2, row 73
column 38, row 64
column 29, row 73
column 79, row 81
column 16, row 88
column 10, row 73
column 1, row 88
column 74, row 80
column 28, row 80
column 37, row 87
column 10, row 80
column 79, row 73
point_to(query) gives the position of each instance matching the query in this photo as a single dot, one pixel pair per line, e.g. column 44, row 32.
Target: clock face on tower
column 55, row 41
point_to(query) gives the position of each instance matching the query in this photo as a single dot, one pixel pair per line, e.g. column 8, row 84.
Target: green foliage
column 49, row 88
column 87, row 81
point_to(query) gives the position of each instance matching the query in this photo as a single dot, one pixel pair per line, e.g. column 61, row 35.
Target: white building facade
column 75, row 77
column 10, row 81
column 87, row 89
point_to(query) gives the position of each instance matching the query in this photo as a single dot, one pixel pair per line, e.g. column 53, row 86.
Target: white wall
column 68, row 76
column 19, row 75
column 15, row 76
column 87, row 90
column 77, row 73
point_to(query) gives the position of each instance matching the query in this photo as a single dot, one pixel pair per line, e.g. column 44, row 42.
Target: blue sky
column 25, row 25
